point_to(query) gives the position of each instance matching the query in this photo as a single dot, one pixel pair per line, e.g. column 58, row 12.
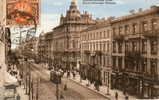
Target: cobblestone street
column 74, row 92
column 79, row 49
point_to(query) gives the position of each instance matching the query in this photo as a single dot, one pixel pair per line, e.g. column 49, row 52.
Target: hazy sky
column 52, row 9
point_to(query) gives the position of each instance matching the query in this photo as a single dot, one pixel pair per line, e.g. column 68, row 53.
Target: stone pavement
column 103, row 89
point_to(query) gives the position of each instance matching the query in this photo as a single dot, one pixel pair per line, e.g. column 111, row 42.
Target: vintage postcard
column 79, row 49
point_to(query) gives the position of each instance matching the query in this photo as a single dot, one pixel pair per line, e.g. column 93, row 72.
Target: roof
column 153, row 9
column 97, row 26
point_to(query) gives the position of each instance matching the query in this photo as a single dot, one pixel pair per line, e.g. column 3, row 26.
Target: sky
column 52, row 9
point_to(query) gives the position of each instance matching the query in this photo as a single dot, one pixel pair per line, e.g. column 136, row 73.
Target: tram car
column 54, row 78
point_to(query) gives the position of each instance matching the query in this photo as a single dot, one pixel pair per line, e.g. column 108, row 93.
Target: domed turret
column 73, row 11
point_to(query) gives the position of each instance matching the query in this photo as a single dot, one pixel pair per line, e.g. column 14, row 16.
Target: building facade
column 30, row 48
column 41, row 48
column 135, row 59
column 49, row 49
column 67, row 34
column 96, row 43
column 2, row 43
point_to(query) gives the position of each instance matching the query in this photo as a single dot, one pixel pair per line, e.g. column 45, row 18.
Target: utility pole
column 57, row 91
column 108, row 84
column 37, row 89
column 29, row 81
column 32, row 90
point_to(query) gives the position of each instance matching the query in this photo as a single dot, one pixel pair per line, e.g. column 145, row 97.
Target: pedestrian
column 116, row 95
column 20, row 80
column 74, row 75
column 126, row 97
column 124, row 92
column 18, row 97
column 68, row 74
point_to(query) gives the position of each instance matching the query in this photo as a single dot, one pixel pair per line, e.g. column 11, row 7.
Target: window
column 145, row 26
column 104, row 34
column 105, row 77
column 154, row 24
column 114, row 47
column 100, row 46
column 108, row 47
column 94, row 46
column 154, row 47
column 114, row 33
column 114, row 62
column 144, row 66
column 127, row 46
column 103, row 46
column 153, row 67
column 134, row 46
column 120, row 63
column 134, row 28
column 100, row 35
column 95, row 35
column 144, row 46
column 120, row 47
column 126, row 29
column 108, row 33
column 104, row 61
column 120, row 30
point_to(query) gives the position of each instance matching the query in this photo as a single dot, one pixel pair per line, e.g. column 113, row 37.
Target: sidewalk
column 103, row 89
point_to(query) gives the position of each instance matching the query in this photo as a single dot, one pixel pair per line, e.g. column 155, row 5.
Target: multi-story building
column 2, row 42
column 41, row 48
column 66, row 35
column 135, row 53
column 96, row 52
column 49, row 48
column 30, row 48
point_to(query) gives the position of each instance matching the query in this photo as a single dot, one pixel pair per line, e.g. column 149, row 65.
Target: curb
column 90, row 89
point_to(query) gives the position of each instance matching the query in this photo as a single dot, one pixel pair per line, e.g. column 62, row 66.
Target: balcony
column 151, row 33
column 153, row 78
column 87, row 52
column 117, row 69
column 99, row 53
column 118, row 37
column 133, row 72
column 134, row 54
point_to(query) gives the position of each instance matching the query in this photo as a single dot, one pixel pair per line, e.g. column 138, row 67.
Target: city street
column 47, row 89
column 68, row 50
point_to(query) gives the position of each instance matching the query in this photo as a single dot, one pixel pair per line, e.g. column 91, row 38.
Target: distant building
column 41, row 48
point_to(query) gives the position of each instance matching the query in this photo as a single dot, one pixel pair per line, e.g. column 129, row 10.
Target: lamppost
column 108, row 84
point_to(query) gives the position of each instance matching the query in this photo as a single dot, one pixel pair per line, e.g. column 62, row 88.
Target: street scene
column 79, row 49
